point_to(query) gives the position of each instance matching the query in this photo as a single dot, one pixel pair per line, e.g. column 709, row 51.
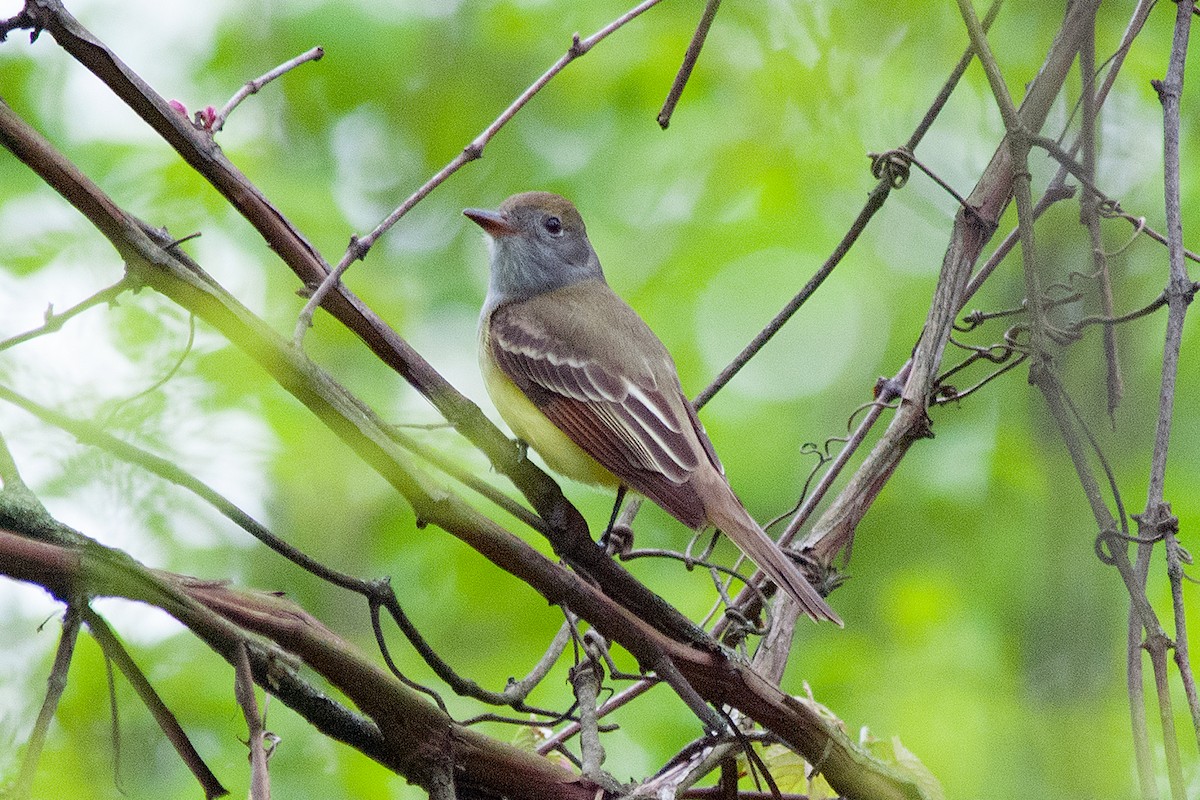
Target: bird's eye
column 553, row 226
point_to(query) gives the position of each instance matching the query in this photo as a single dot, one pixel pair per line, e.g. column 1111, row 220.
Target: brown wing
column 611, row 388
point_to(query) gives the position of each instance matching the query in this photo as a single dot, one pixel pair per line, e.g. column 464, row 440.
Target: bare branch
column 1179, row 292
column 56, row 682
column 361, row 245
column 1089, row 216
column 834, row 530
column 243, row 688
column 116, row 652
column 55, row 321
column 689, row 63
column 254, row 86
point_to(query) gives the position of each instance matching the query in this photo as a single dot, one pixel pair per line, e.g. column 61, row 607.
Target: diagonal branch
column 689, row 63
column 568, row 530
column 1089, row 216
column 714, row 677
column 116, row 652
column 972, row 230
column 55, row 684
column 360, row 246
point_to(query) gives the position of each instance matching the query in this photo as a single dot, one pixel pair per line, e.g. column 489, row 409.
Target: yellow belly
column 532, row 427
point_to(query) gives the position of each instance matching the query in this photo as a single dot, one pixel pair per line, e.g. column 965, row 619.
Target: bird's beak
column 493, row 223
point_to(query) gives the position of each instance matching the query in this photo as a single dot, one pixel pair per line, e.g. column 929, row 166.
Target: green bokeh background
column 981, row 629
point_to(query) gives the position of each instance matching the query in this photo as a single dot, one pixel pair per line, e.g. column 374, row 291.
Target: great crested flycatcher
column 579, row 377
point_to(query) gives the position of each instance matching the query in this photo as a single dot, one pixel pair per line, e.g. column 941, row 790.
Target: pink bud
column 207, row 117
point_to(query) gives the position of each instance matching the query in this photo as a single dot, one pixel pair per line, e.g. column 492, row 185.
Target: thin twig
column 360, row 246
column 162, row 380
column 243, row 690
column 959, row 395
column 54, row 322
column 114, row 650
column 1089, row 216
column 1177, row 557
column 666, row 670
column 615, row 702
column 1140, row 226
column 859, row 436
column 1179, row 293
column 941, row 182
column 1082, row 422
column 951, row 83
column 874, row 202
column 114, row 710
column 251, row 87
column 689, row 63
column 56, row 682
column 514, row 693
column 1111, row 322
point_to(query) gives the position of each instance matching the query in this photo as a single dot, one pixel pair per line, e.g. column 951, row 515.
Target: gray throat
column 520, row 269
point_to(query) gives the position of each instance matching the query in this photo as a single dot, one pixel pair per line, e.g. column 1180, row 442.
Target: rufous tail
column 732, row 519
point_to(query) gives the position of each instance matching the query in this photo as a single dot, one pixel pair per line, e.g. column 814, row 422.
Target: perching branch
column 701, row 684
column 707, row 673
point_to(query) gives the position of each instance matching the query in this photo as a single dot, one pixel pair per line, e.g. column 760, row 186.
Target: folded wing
column 635, row 422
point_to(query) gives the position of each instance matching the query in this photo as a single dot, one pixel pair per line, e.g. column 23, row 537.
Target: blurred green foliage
column 982, row 632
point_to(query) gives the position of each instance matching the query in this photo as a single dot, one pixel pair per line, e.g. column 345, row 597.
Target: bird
column 580, row 377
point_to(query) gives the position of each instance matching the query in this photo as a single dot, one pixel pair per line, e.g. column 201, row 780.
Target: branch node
column 894, row 165
column 25, row 18
column 887, row 389
column 357, row 249
column 1157, row 520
